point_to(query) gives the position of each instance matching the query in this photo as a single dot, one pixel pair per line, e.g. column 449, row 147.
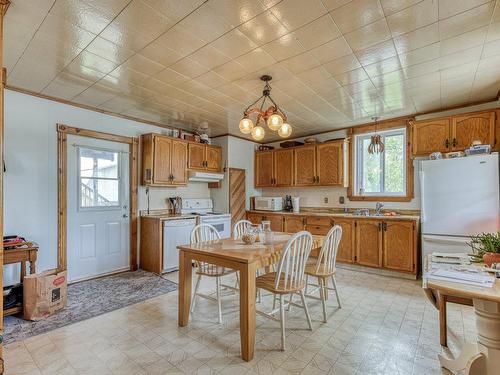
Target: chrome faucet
column 378, row 208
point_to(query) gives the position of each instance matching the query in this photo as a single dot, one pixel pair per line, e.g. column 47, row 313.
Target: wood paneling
column 179, row 162
column 237, row 196
column 467, row 128
column 294, row 224
column 398, row 245
column 305, row 166
column 346, row 246
column 283, row 167
column 197, row 156
column 430, row 136
column 263, row 162
column 369, row 242
column 162, row 150
column 330, row 164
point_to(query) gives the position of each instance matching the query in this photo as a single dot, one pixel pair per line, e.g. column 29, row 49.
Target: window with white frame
column 99, row 178
column 380, row 174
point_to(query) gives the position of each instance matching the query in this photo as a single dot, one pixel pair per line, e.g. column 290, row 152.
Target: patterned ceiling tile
column 334, row 63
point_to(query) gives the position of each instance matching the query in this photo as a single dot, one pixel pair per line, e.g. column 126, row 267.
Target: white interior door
column 98, row 207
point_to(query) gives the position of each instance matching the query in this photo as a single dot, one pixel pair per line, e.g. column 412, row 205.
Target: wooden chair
column 324, row 268
column 204, row 233
column 240, row 227
column 289, row 278
column 238, row 231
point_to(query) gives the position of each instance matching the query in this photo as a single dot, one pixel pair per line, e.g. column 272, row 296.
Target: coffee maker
column 288, row 203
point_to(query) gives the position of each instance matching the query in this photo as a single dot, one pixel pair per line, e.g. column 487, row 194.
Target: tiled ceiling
column 189, row 63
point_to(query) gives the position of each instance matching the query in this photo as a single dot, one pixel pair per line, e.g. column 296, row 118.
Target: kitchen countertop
column 168, row 216
column 322, row 212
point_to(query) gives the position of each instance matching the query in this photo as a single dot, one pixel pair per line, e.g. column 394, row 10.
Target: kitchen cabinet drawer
column 321, row 230
column 319, row 220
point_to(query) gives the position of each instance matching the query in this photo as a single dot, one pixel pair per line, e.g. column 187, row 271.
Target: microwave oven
column 269, row 203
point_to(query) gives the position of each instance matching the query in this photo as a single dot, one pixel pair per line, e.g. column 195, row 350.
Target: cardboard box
column 44, row 294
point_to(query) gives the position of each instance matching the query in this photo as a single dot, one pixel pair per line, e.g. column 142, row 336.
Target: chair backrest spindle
column 204, row 233
column 293, row 261
column 328, row 254
column 240, row 228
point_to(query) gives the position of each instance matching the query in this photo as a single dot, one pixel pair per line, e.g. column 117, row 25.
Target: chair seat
column 311, row 270
column 214, row 271
column 267, row 282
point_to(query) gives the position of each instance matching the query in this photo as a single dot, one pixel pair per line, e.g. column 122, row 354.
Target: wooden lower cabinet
column 294, row 224
column 345, row 252
column 368, row 242
column 399, row 253
column 389, row 244
column 275, row 219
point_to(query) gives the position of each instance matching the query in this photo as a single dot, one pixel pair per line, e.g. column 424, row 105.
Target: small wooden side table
column 20, row 255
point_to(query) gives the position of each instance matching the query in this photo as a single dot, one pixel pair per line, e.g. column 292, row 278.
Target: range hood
column 205, row 176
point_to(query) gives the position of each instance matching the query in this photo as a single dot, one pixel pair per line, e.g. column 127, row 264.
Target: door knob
column 124, row 216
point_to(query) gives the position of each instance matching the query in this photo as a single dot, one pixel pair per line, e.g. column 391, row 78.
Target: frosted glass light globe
column 258, row 133
column 275, row 121
column 246, row 125
column 285, row 131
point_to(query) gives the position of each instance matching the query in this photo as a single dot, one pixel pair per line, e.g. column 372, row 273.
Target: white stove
column 203, row 208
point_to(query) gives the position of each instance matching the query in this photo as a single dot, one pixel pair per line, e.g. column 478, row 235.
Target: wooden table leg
column 247, row 311
column 32, row 263
column 442, row 320
column 23, row 270
column 185, row 283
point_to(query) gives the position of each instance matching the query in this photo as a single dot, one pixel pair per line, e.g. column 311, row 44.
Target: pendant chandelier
column 376, row 145
column 273, row 116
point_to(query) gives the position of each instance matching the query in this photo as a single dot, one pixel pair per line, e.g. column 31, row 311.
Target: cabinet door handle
column 454, row 143
column 385, row 226
column 447, row 143
column 317, row 179
column 379, row 227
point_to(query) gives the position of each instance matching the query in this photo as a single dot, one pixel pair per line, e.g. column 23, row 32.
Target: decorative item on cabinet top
column 166, row 160
column 320, row 164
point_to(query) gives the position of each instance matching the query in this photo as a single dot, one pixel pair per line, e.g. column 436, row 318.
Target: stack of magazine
column 457, row 268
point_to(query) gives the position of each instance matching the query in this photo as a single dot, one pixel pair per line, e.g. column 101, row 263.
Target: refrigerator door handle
column 422, row 194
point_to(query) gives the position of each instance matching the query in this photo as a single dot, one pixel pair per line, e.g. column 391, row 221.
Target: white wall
column 30, row 185
column 236, row 153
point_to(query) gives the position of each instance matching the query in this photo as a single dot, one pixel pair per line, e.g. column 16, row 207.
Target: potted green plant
column 485, row 248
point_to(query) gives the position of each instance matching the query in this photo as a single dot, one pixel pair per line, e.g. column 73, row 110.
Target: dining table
column 244, row 258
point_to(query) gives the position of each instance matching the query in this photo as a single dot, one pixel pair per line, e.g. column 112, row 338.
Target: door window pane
column 97, row 163
column 99, row 178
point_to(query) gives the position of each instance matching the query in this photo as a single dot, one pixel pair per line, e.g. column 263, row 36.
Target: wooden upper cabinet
column 475, row 126
column 345, row 252
column 294, row 224
column 369, row 242
column 330, row 164
column 263, row 163
column 161, row 160
column 213, row 158
column 431, row 136
column 305, row 166
column 179, row 162
column 283, row 167
column 399, row 245
column 454, row 133
column 197, row 153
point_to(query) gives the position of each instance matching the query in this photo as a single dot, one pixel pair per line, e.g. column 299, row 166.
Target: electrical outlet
column 325, row 199
column 341, row 200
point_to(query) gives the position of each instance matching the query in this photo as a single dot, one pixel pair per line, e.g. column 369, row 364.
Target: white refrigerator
column 459, row 197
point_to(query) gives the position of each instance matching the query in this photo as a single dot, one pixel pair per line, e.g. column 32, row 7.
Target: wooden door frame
column 62, row 195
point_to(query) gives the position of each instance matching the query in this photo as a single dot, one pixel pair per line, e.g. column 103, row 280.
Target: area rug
column 90, row 298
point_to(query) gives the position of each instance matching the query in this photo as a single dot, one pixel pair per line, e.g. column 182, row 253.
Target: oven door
column 223, row 225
